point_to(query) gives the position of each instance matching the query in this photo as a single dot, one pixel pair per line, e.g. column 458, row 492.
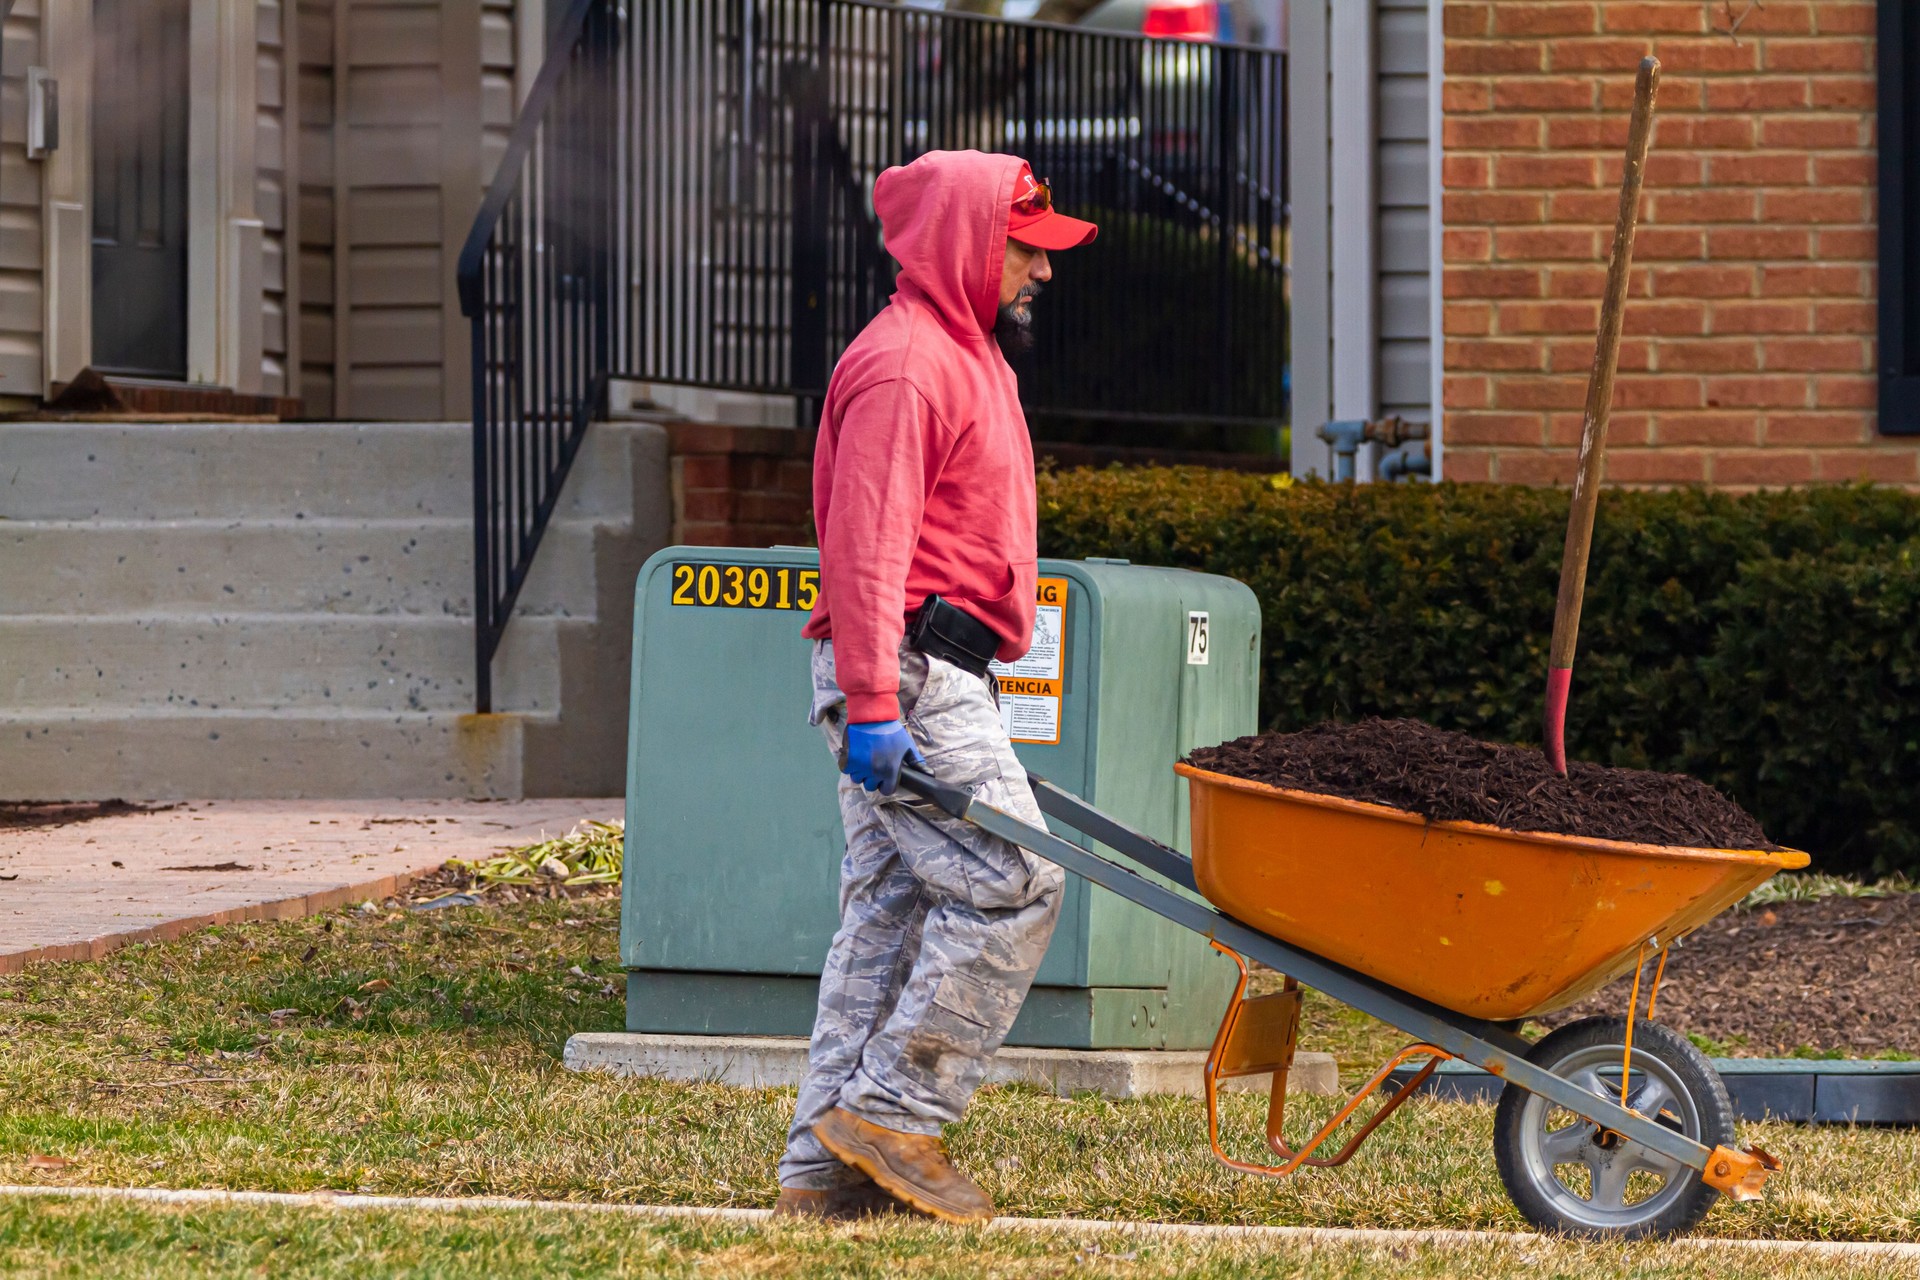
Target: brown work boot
column 839, row 1204
column 909, row 1166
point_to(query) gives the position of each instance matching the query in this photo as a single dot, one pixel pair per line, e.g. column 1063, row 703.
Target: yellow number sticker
column 745, row 586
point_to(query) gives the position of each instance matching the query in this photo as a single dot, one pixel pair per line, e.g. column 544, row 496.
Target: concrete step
column 286, row 470
column 773, row 1062
column 269, row 661
column 187, row 753
column 259, row 610
column 421, row 566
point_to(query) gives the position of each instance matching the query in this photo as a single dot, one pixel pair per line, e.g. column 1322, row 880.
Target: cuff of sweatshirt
column 865, row 708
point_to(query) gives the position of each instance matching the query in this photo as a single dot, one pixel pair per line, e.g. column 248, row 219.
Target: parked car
column 1167, row 19
column 1259, row 22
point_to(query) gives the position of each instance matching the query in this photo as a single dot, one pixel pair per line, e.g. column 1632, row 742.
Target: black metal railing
column 686, row 199
column 537, row 282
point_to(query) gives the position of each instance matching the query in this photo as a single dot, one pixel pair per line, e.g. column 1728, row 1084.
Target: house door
column 140, row 95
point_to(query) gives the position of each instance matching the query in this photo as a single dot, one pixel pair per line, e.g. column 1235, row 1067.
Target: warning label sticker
column 1031, row 689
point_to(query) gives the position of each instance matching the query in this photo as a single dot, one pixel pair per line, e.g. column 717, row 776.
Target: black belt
column 942, row 630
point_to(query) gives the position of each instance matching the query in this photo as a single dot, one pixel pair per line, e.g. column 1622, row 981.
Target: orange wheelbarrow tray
column 1502, row 925
column 1451, row 932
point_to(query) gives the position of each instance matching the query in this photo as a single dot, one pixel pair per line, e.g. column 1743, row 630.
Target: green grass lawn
column 418, row 1054
column 89, row 1239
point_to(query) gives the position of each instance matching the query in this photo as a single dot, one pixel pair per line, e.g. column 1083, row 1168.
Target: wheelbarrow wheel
column 1568, row 1176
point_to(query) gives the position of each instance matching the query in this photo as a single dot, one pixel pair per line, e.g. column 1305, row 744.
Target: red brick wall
column 741, row 486
column 1749, row 355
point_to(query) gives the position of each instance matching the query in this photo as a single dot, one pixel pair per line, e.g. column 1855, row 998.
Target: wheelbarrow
column 1455, row 933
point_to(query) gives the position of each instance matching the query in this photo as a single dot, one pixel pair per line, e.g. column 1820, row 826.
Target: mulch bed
column 1450, row 777
column 16, row 814
column 1833, row 975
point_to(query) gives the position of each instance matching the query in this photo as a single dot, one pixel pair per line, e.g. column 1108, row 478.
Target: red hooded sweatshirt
column 923, row 472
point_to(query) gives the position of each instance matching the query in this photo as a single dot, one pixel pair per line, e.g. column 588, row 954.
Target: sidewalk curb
column 1056, row 1226
column 294, row 908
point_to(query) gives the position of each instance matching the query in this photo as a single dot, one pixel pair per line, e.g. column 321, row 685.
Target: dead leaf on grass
column 48, row 1162
column 375, row 984
column 279, row 1016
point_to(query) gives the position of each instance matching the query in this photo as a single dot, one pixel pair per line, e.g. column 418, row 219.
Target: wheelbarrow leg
column 1258, row 1037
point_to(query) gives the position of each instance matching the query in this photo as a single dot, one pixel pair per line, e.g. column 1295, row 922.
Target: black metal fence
column 687, row 199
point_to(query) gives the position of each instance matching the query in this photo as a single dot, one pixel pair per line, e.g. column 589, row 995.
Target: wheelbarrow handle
column 949, row 800
column 952, row 801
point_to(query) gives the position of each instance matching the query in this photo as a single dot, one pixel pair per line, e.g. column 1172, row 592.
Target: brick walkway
column 78, row 891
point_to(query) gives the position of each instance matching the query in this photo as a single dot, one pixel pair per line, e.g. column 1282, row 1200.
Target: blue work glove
column 875, row 751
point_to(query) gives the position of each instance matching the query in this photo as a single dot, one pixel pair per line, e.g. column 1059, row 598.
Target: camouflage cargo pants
column 941, row 925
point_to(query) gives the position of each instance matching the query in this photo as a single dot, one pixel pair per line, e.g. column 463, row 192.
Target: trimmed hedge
column 1768, row 643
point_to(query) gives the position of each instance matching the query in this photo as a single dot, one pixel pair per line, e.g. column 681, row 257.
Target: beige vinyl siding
column 498, row 101
column 408, row 149
column 314, row 46
column 377, row 124
column 389, row 151
column 404, row 108
column 22, row 253
column 1405, row 252
column 272, row 156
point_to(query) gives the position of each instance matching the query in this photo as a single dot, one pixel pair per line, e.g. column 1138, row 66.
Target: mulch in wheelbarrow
column 1451, row 777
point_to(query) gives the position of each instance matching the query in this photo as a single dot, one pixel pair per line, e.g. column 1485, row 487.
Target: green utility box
column 733, row 831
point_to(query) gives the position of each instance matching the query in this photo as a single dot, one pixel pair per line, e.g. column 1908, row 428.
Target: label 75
column 1197, row 638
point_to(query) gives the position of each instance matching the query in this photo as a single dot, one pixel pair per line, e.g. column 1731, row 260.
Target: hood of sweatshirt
column 945, row 221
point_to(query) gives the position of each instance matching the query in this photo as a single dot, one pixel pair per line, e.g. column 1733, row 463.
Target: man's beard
column 1013, row 326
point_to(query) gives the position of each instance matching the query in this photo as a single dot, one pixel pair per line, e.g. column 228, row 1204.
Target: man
column 924, row 496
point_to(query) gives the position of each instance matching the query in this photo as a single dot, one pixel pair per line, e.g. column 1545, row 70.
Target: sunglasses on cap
column 1037, row 199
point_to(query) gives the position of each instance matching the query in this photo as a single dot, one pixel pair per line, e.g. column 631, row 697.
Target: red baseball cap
column 1034, row 221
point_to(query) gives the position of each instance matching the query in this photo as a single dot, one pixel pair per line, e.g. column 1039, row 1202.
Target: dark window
column 1899, row 218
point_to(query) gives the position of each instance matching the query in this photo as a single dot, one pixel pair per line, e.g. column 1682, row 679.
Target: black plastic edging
column 1800, row 1090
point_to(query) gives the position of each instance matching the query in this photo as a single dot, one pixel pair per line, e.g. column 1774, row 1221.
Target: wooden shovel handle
column 1593, row 431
